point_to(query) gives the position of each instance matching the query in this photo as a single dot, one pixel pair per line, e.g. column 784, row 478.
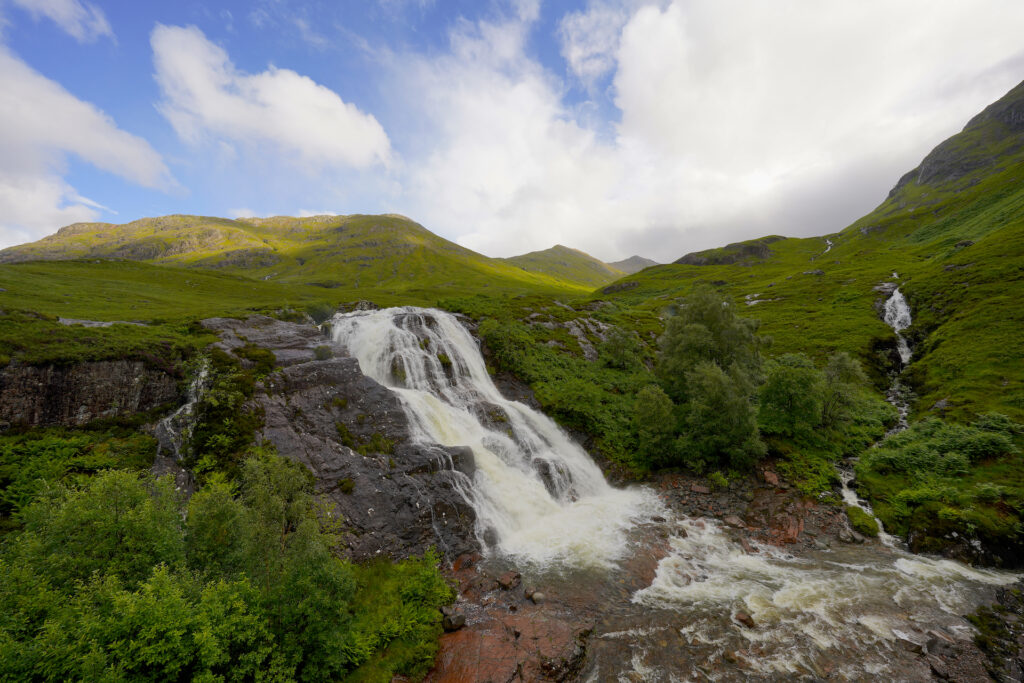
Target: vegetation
column 108, row 581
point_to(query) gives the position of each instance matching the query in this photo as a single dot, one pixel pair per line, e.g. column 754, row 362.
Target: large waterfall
column 538, row 496
column 897, row 316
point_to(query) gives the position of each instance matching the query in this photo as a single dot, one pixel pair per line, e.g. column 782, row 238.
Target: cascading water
column 174, row 431
column 897, row 316
column 538, row 496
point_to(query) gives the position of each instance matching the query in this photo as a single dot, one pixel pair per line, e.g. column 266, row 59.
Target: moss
column 444, row 360
column 263, row 359
column 378, row 443
column 346, row 486
column 347, row 439
column 323, row 352
column 862, row 522
column 340, row 402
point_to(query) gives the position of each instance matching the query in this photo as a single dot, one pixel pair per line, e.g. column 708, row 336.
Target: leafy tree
column 620, row 350
column 719, row 424
column 843, row 379
column 654, row 422
column 792, row 396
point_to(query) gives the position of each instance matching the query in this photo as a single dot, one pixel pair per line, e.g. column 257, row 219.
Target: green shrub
column 323, row 352
column 862, row 522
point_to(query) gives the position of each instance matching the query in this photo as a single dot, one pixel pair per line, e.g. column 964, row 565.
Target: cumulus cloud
column 82, row 20
column 736, row 119
column 204, row 95
column 41, row 124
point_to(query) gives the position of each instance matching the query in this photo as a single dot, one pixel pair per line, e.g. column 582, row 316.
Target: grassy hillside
column 953, row 230
column 633, row 264
column 384, row 254
column 568, row 264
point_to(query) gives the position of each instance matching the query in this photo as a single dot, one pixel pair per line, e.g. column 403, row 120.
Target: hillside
column 389, row 255
column 634, row 264
column 568, row 264
column 953, row 230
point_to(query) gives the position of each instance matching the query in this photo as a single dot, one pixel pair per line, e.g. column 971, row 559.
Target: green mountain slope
column 388, row 254
column 953, row 230
column 568, row 264
column 633, row 264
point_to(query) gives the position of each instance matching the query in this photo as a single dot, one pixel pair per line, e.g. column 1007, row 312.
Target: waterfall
column 897, row 316
column 538, row 496
column 174, row 431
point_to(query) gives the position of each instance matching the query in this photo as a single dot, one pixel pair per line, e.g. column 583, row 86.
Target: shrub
column 323, row 352
column 862, row 522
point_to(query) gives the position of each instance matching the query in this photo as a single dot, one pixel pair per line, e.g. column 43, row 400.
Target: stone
column 747, row 548
column 734, row 521
column 453, row 622
column 770, row 478
column 940, row 643
column 938, row 667
column 537, row 597
column 908, row 643
column 697, row 488
column 745, row 619
column 509, row 580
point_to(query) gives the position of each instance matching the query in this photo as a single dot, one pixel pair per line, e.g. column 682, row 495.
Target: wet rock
column 509, row 580
column 940, row 643
column 697, row 488
column 734, row 521
column 770, row 478
column 747, row 548
column 938, row 667
column 453, row 622
column 658, row 519
column 537, row 597
column 908, row 643
column 745, row 619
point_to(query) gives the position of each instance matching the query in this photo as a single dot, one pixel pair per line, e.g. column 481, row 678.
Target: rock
column 745, row 619
column 697, row 488
column 857, row 537
column 941, row 404
column 528, row 592
column 747, row 548
column 316, row 412
column 964, row 243
column 816, row 271
column 734, row 521
column 509, row 580
column 770, row 478
column 940, row 643
column 908, row 643
column 658, row 519
column 453, row 622
column 537, row 597
column 845, row 535
column 938, row 667
column 74, row 395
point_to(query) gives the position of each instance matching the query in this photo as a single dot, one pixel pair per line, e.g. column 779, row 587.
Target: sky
column 651, row 127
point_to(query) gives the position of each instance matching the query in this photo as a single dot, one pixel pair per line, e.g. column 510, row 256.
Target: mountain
column 953, row 231
column 389, row 254
column 565, row 263
column 634, row 264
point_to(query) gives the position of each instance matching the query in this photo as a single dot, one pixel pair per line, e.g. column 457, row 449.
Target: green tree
column 844, row 378
column 791, row 397
column 654, row 422
column 719, row 424
column 620, row 350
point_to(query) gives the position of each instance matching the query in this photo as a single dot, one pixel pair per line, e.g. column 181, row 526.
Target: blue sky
column 619, row 127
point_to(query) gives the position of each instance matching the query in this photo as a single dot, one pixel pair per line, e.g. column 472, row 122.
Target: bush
column 792, row 397
column 323, row 352
column 862, row 522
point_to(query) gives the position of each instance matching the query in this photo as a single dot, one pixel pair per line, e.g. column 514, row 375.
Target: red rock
column 734, row 521
column 747, row 548
column 745, row 619
column 697, row 488
column 771, row 478
column 509, row 580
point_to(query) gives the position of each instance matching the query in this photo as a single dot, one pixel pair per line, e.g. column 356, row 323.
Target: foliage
column 792, row 397
column 861, row 521
column 654, row 422
column 719, row 423
column 621, row 350
column 108, row 582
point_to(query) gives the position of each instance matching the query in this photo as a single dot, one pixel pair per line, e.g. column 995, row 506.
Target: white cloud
column 590, row 40
column 204, row 95
column 40, row 125
column 738, row 118
column 82, row 20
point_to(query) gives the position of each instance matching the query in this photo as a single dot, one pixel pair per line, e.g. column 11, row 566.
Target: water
column 897, row 316
column 538, row 496
column 828, row 246
column 175, row 430
column 837, row 613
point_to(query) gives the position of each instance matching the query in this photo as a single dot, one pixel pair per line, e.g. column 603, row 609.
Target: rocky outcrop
column 738, row 252
column 395, row 497
column 73, row 395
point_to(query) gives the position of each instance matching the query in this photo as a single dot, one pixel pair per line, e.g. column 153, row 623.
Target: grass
column 568, row 264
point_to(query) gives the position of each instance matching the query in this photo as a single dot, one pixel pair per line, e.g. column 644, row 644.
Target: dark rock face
column 49, row 395
column 395, row 497
column 737, row 252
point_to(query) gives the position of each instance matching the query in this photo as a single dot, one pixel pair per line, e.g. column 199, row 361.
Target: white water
column 897, row 316
column 846, row 606
column 174, row 431
column 538, row 496
column 828, row 246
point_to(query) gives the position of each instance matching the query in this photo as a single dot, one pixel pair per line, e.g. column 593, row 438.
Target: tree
column 620, row 349
column 792, row 396
column 843, row 379
column 654, row 422
column 719, row 423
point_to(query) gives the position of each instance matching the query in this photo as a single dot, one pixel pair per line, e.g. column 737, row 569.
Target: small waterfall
column 897, row 316
column 828, row 246
column 538, row 496
column 174, row 431
column 845, row 472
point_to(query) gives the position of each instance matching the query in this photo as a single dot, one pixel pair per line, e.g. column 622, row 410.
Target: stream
column 665, row 590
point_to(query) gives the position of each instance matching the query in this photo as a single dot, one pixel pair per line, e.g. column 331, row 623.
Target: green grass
column 568, row 264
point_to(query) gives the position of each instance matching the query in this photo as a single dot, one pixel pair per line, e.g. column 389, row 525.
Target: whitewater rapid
column 538, row 496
